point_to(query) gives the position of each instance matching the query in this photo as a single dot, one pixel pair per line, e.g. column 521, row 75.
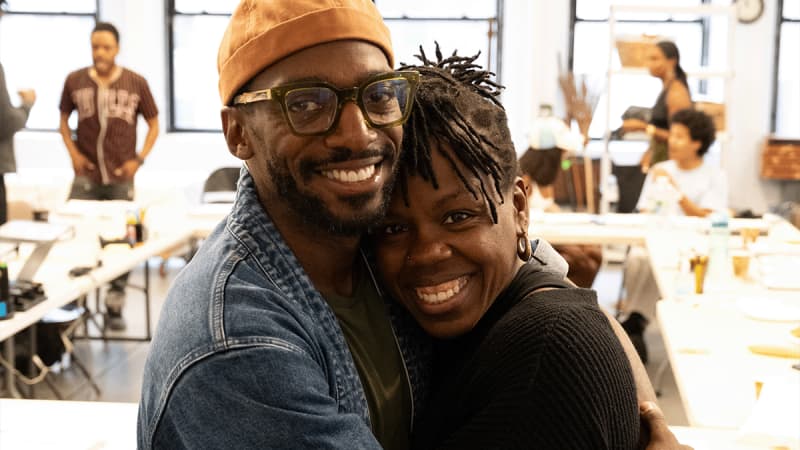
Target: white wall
column 535, row 33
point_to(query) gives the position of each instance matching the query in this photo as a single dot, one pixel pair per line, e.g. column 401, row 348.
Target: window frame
column 171, row 13
column 8, row 12
column 703, row 22
column 495, row 23
column 780, row 20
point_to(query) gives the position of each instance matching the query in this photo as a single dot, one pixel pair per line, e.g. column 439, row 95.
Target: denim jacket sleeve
column 263, row 396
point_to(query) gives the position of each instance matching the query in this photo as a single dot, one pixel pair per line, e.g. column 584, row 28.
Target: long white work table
column 83, row 248
column 708, row 337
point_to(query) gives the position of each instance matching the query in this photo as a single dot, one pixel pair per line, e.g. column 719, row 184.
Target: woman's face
column 657, row 62
column 442, row 256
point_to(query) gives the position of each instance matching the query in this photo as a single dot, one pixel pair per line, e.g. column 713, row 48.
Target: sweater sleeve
column 551, row 375
column 11, row 118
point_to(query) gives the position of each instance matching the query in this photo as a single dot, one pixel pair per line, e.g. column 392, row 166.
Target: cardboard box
column 780, row 159
column 633, row 49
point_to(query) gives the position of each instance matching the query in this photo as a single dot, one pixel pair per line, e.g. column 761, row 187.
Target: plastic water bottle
column 719, row 237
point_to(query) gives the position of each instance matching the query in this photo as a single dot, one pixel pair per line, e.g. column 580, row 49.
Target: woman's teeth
column 350, row 176
column 441, row 292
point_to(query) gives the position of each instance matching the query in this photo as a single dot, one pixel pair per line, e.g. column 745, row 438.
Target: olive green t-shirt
column 368, row 331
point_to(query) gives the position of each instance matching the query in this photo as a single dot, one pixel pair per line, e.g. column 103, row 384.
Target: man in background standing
column 12, row 119
column 109, row 99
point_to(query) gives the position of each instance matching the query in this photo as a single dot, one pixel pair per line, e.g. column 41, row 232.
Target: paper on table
column 770, row 309
column 775, row 417
column 95, row 208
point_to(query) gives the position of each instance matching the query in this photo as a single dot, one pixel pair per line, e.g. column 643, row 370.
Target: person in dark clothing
column 663, row 62
column 109, row 99
column 12, row 119
column 524, row 358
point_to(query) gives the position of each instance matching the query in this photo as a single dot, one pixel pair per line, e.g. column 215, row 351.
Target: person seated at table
column 685, row 184
column 524, row 359
column 548, row 143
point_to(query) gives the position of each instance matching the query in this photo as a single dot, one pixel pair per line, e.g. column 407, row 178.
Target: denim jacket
column 247, row 354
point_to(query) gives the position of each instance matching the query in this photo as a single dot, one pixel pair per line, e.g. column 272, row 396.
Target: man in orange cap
column 268, row 338
column 276, row 335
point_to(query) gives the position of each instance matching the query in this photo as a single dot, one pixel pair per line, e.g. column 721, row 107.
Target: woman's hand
column 629, row 125
column 661, row 438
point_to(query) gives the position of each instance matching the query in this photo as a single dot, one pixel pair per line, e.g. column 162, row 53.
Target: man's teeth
column 441, row 292
column 350, row 176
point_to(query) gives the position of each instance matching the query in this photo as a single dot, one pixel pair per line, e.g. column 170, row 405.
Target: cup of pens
column 134, row 226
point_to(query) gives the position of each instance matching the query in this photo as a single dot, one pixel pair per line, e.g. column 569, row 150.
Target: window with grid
column 196, row 28
column 701, row 41
column 469, row 26
column 41, row 41
column 786, row 104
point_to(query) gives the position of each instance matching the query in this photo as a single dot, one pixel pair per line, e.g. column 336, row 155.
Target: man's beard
column 313, row 211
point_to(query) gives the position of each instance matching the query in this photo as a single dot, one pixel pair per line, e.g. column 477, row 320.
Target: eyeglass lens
column 313, row 109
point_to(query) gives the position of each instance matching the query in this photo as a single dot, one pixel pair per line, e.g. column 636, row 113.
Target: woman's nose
column 427, row 250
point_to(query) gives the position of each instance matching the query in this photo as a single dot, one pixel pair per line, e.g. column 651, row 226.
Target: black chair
column 220, row 186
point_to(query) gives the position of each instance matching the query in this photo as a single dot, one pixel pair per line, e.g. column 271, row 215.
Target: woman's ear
column 235, row 135
column 521, row 205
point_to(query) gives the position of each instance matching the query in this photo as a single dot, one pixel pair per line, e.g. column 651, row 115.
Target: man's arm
column 130, row 167
column 272, row 395
column 11, row 118
column 644, row 389
column 80, row 163
column 150, row 139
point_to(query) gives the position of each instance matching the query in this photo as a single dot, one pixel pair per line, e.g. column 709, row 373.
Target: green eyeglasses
column 313, row 108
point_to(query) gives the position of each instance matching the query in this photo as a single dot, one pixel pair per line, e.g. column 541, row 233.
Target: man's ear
column 235, row 135
column 521, row 205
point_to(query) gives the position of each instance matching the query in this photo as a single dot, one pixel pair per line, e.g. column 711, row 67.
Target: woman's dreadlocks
column 456, row 104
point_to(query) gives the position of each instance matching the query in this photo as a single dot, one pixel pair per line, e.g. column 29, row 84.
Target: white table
column 84, row 250
column 706, row 337
column 67, row 425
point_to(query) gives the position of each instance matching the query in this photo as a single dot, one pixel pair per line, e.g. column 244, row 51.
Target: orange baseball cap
column 262, row 32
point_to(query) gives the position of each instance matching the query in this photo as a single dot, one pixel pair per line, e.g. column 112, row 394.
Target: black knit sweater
column 541, row 370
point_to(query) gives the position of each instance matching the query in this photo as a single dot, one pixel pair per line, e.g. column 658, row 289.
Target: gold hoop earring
column 524, row 250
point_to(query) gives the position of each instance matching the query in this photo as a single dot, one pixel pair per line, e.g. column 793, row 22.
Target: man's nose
column 352, row 131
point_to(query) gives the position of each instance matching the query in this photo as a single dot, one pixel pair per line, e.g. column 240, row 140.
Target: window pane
column 788, row 105
column 54, row 6
column 194, row 93
column 591, row 59
column 598, row 10
column 439, row 8
column 592, row 40
column 46, row 75
column 791, row 9
column 466, row 36
column 209, row 6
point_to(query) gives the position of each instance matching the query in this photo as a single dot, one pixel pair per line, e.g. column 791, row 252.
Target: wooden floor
column 117, row 366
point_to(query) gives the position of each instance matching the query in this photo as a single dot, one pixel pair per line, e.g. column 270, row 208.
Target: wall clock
column 748, row 11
